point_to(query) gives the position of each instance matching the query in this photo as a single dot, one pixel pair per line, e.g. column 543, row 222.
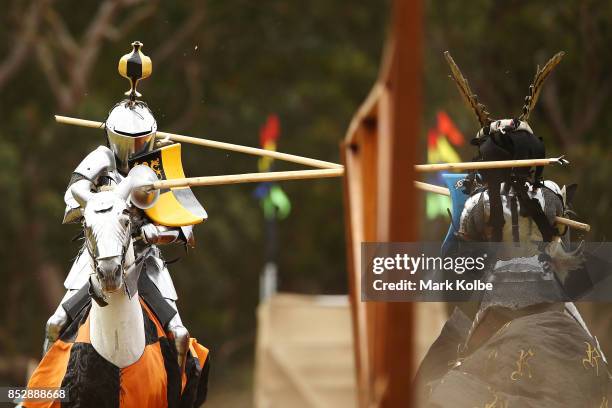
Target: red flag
column 268, row 134
column 432, row 139
column 448, row 128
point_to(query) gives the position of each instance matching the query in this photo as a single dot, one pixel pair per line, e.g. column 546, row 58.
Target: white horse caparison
column 117, row 328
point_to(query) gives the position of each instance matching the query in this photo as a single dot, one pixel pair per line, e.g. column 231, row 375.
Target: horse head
column 107, row 226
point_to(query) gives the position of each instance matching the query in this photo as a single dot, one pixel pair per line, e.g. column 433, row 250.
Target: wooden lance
column 307, row 161
column 432, row 188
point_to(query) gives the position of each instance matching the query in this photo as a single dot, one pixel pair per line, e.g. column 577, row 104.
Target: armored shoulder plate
column 97, row 163
column 553, row 186
column 474, row 216
column 560, row 192
column 101, row 160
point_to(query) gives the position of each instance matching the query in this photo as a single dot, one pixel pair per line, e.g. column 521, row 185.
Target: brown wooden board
column 379, row 152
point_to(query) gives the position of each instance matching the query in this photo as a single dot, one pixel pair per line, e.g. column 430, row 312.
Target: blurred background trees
column 220, row 67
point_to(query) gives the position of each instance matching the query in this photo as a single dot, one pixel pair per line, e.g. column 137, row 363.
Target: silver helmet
column 130, row 129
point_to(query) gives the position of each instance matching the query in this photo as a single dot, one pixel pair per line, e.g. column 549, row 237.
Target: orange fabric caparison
column 149, row 382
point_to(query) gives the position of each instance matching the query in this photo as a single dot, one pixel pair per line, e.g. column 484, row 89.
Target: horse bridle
column 95, row 291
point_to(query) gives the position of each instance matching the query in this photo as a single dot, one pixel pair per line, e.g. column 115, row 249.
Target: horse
column 116, row 351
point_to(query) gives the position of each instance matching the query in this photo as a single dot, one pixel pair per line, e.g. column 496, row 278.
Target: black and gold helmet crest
column 135, row 66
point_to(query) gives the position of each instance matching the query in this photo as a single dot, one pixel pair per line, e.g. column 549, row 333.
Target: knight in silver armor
column 130, row 131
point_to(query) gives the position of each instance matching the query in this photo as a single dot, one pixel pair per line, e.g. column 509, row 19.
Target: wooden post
column 379, row 153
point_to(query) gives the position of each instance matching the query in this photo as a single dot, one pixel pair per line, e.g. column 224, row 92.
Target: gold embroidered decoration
column 604, row 402
column 490, row 365
column 459, row 360
column 455, row 363
column 504, row 327
column 592, row 358
column 497, row 401
column 522, row 365
column 153, row 165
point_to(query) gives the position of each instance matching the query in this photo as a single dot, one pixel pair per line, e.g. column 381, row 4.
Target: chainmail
column 521, row 282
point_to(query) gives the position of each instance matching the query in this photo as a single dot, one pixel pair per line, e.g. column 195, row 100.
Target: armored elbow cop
column 161, row 235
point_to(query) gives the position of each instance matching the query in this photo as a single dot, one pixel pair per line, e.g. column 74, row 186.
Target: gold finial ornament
column 135, row 66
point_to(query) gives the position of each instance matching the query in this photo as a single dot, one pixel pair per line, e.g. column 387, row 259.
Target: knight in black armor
column 514, row 205
column 526, row 325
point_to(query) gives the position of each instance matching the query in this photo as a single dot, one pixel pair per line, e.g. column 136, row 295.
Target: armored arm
column 469, row 228
column 162, row 235
column 556, row 203
column 155, row 234
column 73, row 211
column 473, row 219
column 86, row 178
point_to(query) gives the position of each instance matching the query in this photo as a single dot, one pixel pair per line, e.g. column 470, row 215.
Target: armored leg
column 160, row 276
column 180, row 337
column 56, row 323
column 54, row 327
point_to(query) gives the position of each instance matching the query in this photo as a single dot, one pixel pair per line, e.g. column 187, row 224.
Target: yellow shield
column 176, row 207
